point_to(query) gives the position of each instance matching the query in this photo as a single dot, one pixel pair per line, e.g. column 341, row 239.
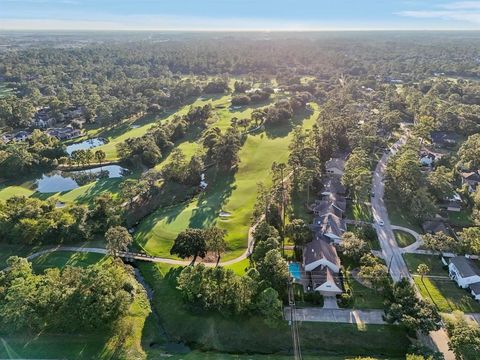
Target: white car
column 381, row 222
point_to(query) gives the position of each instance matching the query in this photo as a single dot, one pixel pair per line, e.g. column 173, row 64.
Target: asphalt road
column 390, row 250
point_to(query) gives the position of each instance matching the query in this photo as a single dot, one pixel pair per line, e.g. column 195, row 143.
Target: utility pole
column 297, row 351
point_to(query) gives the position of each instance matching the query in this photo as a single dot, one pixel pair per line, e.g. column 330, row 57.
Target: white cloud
column 461, row 5
column 461, row 11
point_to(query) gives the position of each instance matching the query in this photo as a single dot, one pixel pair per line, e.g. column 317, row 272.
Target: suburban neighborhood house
column 335, row 166
column 444, row 139
column 471, row 180
column 321, row 263
column 466, row 274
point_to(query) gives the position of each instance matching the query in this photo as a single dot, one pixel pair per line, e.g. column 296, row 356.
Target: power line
column 297, row 351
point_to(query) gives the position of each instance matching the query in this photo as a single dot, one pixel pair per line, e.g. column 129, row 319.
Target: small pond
column 85, row 145
column 59, row 181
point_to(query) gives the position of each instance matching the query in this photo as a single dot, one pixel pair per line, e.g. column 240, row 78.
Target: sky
column 270, row 15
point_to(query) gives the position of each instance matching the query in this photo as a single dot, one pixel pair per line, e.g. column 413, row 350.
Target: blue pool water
column 295, row 270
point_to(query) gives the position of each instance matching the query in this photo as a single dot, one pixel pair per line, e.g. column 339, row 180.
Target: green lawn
column 240, row 267
column 432, row 261
column 63, row 258
column 6, row 192
column 446, row 295
column 234, row 193
column 402, row 218
column 403, row 238
column 211, row 331
column 363, row 297
column 462, row 218
column 438, row 288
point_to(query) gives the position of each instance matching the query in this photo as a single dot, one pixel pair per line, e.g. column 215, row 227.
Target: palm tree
column 423, row 270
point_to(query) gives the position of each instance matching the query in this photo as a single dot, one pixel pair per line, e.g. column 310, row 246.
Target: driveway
column 390, row 250
column 347, row 316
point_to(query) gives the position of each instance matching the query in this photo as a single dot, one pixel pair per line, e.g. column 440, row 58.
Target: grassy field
column 403, row 238
column 211, row 331
column 432, row 261
column 438, row 287
column 461, row 219
column 62, row 259
column 6, row 192
column 234, row 193
column 446, row 295
column 363, row 297
column 399, row 217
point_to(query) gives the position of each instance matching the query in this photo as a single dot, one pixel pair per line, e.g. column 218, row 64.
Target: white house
column 326, row 282
column 319, row 253
column 475, row 290
column 464, row 271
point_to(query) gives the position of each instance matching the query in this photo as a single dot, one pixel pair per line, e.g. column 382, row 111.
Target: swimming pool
column 295, row 270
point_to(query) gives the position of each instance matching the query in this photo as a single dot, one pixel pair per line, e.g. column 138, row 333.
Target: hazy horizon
column 230, row 15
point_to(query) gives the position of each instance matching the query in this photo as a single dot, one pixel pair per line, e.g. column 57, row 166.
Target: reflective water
column 58, row 181
column 85, row 145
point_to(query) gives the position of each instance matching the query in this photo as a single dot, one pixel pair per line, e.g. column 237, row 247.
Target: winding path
column 154, row 259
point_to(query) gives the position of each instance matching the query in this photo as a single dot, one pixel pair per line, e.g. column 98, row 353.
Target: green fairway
column 125, row 131
column 232, row 193
column 240, row 334
column 403, row 238
column 7, row 192
column 240, row 267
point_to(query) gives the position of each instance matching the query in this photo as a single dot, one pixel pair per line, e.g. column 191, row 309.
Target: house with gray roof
column 475, row 290
column 471, row 179
column 320, row 253
column 325, row 281
column 434, row 227
column 464, row 271
column 335, row 166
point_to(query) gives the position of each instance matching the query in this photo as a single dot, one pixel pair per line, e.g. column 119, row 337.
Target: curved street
column 391, row 252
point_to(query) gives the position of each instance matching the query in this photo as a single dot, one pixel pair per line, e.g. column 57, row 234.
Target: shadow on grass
column 281, row 130
column 210, row 202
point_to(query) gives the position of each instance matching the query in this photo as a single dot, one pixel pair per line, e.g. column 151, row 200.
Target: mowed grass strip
column 446, row 295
